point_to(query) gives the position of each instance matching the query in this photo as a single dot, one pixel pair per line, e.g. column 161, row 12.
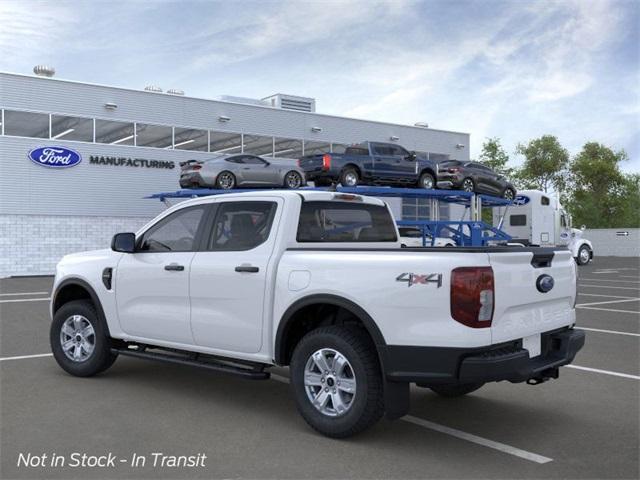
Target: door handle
column 247, row 268
column 174, row 267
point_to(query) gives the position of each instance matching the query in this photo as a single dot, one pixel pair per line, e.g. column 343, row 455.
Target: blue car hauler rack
column 468, row 233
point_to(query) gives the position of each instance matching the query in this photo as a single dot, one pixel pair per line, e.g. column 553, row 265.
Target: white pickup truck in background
column 316, row 281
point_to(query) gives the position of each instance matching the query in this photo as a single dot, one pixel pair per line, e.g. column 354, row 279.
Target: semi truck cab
column 538, row 219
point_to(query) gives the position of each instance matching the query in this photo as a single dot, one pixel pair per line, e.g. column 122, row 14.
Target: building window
column 314, row 148
column 114, row 133
column 26, row 124
column 287, row 148
column 258, row 145
column 415, row 209
column 157, row 136
column 225, row 142
column 190, row 139
column 71, row 128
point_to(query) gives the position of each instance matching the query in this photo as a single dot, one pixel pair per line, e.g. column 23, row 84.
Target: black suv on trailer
column 474, row 177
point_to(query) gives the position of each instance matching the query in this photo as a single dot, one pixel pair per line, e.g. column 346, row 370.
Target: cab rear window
column 345, row 222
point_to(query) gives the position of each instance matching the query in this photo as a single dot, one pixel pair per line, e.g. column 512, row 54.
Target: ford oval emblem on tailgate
column 55, row 157
column 544, row 283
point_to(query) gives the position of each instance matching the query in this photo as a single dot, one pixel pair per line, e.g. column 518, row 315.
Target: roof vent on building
column 291, row 102
column 153, row 88
column 421, row 124
column 175, row 91
column 44, row 71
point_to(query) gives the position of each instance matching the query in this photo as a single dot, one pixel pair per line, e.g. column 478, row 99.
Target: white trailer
column 536, row 218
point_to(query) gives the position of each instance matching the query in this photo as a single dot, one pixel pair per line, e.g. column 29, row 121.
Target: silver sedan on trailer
column 241, row 170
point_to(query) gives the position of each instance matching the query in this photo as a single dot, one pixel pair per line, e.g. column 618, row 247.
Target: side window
column 251, row 160
column 544, row 201
column 399, row 151
column 235, row 159
column 345, row 222
column 563, row 221
column 379, row 149
column 241, row 226
column 175, row 233
column 518, row 220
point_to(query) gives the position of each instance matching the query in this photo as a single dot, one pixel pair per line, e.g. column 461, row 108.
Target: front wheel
column 79, row 340
column 456, row 390
column 584, row 255
column 336, row 381
column 509, row 194
column 427, row 181
column 293, row 180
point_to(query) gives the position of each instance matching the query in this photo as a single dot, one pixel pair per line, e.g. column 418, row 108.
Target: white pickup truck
column 316, row 281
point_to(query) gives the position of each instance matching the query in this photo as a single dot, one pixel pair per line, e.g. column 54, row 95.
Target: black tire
column 368, row 402
column 287, row 183
column 426, row 179
column 451, row 391
column 468, row 185
column 584, row 255
column 101, row 357
column 508, row 194
column 349, row 177
column 221, row 180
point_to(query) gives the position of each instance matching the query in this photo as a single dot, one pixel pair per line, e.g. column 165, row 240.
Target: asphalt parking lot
column 586, row 424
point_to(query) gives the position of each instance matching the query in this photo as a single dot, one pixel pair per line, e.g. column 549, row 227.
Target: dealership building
column 129, row 144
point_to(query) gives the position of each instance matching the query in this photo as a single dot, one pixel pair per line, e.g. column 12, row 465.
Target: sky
column 509, row 69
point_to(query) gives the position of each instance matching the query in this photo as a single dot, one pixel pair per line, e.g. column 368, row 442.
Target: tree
column 601, row 196
column 495, row 157
column 545, row 164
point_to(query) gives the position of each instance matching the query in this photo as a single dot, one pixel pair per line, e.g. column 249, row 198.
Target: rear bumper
column 192, row 179
column 507, row 361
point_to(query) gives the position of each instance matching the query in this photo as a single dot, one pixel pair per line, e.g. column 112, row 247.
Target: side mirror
column 124, row 242
column 412, row 156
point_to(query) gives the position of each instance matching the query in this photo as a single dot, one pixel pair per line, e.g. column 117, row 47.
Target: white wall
column 609, row 242
column 33, row 244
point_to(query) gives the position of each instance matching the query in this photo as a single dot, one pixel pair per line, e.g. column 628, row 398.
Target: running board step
column 256, row 373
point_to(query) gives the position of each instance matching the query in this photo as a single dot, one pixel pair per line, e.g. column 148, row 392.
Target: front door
column 257, row 171
column 229, row 278
column 152, row 284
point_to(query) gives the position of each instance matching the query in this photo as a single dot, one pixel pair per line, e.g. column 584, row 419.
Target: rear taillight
column 326, row 161
column 472, row 296
column 453, row 170
column 196, row 167
column 299, row 162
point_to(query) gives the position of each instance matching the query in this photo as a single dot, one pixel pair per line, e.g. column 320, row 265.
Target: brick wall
column 33, row 244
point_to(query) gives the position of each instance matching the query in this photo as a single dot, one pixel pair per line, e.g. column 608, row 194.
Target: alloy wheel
column 226, row 181
column 293, row 180
column 467, row 185
column 77, row 338
column 330, row 382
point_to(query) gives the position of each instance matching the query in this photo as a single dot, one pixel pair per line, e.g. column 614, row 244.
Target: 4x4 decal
column 418, row 279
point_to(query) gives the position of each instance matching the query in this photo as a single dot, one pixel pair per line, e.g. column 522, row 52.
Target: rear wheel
column 226, row 180
column 293, row 180
column 468, row 185
column 427, row 181
column 456, row 390
column 349, row 177
column 79, row 340
column 336, row 381
column 584, row 255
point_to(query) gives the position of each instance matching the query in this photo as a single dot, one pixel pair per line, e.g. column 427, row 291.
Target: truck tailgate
column 521, row 309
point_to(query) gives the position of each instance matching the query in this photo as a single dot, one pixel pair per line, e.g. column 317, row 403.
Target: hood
column 89, row 256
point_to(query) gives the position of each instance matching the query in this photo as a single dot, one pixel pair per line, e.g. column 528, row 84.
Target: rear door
column 228, row 279
column 255, row 170
column 383, row 160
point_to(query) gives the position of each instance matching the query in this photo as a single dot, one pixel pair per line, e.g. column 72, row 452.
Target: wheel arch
column 430, row 171
column 354, row 166
column 286, row 333
column 77, row 289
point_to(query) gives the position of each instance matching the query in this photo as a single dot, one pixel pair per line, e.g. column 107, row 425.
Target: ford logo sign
column 544, row 283
column 55, row 157
column 521, row 200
